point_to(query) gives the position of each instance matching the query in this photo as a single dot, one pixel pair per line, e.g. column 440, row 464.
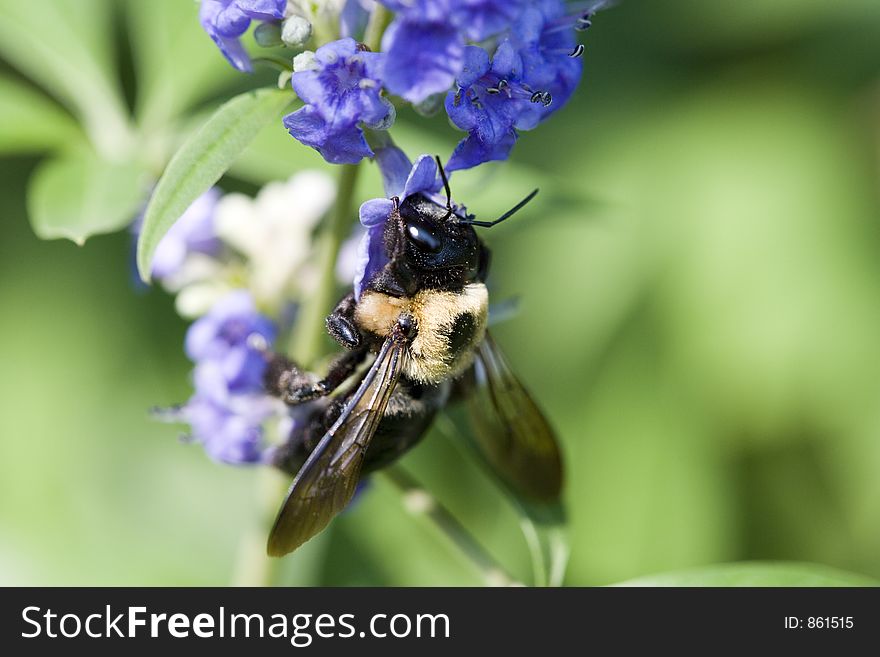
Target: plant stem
column 533, row 541
column 306, row 339
column 560, row 551
column 548, row 546
column 376, row 27
column 253, row 567
column 305, row 344
column 419, row 501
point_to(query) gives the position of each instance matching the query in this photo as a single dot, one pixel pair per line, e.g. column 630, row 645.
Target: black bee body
column 424, row 317
column 444, row 310
column 411, row 409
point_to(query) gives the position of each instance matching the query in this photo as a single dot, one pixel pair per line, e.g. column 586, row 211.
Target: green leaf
column 79, row 194
column 165, row 33
column 29, row 121
column 201, row 161
column 756, row 574
column 275, row 155
column 66, row 47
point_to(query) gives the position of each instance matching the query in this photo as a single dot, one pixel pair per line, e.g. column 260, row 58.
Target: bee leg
column 283, row 375
column 290, row 455
column 295, row 386
column 340, row 324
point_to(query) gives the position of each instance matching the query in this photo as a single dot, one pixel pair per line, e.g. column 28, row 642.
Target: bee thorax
column 447, row 327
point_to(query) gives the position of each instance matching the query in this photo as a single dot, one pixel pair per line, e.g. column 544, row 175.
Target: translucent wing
column 327, row 481
column 510, row 429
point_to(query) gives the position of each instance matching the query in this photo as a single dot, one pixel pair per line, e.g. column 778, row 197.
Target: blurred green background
column 700, row 317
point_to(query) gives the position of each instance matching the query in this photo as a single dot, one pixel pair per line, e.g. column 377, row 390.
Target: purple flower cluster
column 491, row 103
column 533, row 69
column 426, row 40
column 532, row 73
column 193, row 233
column 341, row 89
column 229, row 405
column 503, row 65
column 226, row 21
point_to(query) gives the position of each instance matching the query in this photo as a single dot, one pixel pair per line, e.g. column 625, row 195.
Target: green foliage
column 81, row 194
column 202, row 160
column 67, row 48
column 757, row 574
column 698, row 287
column 175, row 68
column 29, row 121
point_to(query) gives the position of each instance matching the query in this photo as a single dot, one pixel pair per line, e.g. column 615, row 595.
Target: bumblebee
column 422, row 320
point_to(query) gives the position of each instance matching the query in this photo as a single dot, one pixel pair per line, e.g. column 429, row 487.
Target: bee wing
column 326, row 482
column 511, row 431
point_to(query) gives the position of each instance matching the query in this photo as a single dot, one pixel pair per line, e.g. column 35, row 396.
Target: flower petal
column 422, row 58
column 371, row 258
column 234, row 53
column 331, row 53
column 506, row 62
column 375, row 212
column 395, row 167
column 308, row 86
column 227, row 19
column 423, row 178
column 476, row 65
column 461, row 111
column 266, row 10
column 353, row 19
column 371, row 254
column 471, row 151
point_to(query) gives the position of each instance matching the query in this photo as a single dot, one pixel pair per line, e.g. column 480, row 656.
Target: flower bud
column 431, row 105
column 389, row 118
column 305, row 61
column 268, row 35
column 295, row 31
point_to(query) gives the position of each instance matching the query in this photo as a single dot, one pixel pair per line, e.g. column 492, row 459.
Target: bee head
column 435, row 245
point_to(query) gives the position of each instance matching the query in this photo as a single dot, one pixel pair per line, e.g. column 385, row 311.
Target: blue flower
column 425, row 42
column 220, row 345
column 192, row 233
column 226, row 20
column 353, row 17
column 229, row 434
column 342, row 90
column 491, row 103
column 544, row 37
column 533, row 72
column 402, row 180
column 229, row 406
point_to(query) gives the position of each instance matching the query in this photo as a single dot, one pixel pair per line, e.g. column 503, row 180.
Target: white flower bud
column 295, row 31
column 305, row 61
column 197, row 299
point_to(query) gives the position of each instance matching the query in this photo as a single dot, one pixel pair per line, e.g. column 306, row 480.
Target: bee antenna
column 516, row 208
column 445, row 186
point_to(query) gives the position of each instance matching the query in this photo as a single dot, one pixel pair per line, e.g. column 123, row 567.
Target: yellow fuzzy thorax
column 430, row 356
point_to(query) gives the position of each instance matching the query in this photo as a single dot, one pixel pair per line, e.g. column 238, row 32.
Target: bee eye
column 423, row 237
